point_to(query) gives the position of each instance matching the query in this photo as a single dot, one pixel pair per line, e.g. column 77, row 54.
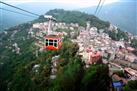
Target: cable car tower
column 52, row 40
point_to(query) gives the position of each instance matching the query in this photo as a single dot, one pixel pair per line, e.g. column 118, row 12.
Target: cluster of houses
column 93, row 43
column 54, row 26
column 102, row 45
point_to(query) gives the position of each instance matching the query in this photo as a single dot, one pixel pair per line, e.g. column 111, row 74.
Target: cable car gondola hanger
column 52, row 40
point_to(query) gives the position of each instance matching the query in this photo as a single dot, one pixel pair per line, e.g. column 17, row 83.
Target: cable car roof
column 52, row 36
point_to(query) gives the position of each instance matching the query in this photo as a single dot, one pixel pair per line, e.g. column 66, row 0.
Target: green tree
column 70, row 78
column 21, row 82
column 134, row 43
column 96, row 78
column 131, row 86
column 121, row 74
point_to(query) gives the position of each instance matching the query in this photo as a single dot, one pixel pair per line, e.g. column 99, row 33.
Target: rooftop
column 52, row 36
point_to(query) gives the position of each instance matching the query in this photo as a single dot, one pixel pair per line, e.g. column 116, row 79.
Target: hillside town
column 93, row 45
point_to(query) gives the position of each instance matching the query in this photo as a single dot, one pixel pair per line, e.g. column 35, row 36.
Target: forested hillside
column 78, row 17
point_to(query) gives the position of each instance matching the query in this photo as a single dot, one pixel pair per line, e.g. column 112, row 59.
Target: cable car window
column 46, row 43
column 51, row 41
column 55, row 44
column 55, row 40
column 46, row 40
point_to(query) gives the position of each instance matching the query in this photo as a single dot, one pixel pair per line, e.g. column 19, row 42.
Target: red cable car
column 53, row 42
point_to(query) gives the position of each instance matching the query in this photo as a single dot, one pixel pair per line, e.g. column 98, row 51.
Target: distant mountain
column 121, row 14
column 77, row 17
column 9, row 19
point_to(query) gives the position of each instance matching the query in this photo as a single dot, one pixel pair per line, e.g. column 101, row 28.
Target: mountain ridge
column 121, row 14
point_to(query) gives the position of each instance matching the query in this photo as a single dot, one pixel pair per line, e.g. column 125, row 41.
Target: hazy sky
column 78, row 3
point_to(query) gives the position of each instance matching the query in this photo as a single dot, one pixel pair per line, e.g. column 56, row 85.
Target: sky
column 78, row 3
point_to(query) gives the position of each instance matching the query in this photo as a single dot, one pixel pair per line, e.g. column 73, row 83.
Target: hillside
column 22, row 70
column 122, row 14
column 78, row 17
column 10, row 19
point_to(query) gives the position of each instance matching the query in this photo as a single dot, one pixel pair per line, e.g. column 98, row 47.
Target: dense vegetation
column 134, row 43
column 120, row 74
column 117, row 35
column 131, row 86
column 18, row 73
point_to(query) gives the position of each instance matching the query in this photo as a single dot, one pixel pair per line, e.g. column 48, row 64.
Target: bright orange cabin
column 53, row 42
